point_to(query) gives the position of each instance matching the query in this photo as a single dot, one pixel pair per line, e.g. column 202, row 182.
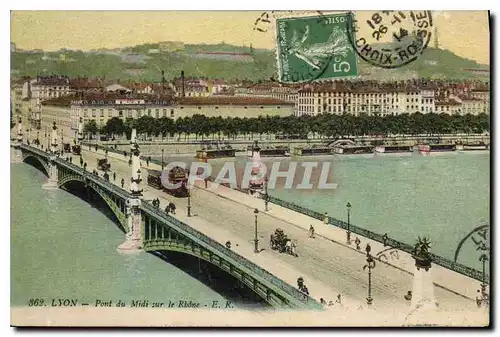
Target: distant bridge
column 159, row 231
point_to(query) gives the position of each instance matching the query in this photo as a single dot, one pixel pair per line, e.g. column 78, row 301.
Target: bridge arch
column 160, row 234
column 33, row 160
column 248, row 281
column 114, row 204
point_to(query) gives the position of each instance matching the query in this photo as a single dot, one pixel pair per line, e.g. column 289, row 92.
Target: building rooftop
column 229, row 100
column 52, row 80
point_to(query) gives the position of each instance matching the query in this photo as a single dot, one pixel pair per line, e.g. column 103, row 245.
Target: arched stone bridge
column 159, row 231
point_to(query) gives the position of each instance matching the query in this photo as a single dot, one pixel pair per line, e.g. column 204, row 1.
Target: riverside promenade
column 328, row 265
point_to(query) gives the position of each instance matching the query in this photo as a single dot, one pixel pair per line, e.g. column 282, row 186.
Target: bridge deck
column 329, row 268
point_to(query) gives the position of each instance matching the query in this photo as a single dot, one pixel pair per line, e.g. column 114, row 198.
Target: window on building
column 102, row 112
column 171, row 113
column 93, row 113
column 149, row 112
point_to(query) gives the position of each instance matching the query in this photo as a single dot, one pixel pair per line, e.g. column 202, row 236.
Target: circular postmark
column 391, row 39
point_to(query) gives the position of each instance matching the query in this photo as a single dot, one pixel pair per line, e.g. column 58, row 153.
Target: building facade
column 103, row 109
column 363, row 100
column 46, row 87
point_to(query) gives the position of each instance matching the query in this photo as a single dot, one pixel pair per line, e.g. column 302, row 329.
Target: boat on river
column 214, row 151
column 393, row 149
column 312, row 151
column 472, row 147
column 352, row 149
column 268, row 151
column 426, row 149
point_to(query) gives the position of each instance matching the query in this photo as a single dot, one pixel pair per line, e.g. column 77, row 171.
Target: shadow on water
column 213, row 277
column 210, row 275
column 78, row 189
column 36, row 163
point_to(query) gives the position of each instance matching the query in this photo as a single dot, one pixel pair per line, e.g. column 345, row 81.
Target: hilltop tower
column 163, row 81
column 436, row 38
column 183, row 93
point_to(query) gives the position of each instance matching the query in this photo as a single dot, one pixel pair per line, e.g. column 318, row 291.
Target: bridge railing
column 225, row 252
column 98, row 180
column 35, row 150
column 119, row 152
column 387, row 241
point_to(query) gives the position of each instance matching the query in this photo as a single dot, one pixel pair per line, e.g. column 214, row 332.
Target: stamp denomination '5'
column 315, row 48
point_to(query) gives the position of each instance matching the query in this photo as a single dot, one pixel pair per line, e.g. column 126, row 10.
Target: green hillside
column 434, row 63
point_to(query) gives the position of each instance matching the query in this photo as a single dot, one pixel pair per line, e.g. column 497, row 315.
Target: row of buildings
column 45, row 99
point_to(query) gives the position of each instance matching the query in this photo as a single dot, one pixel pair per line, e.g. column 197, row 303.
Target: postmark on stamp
column 395, row 38
column 315, row 48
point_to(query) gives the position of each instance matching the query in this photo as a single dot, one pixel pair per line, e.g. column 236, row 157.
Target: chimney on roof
column 182, row 80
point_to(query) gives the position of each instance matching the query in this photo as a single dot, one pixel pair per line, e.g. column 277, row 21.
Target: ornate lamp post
column 483, row 258
column 162, row 164
column 348, row 223
column 256, row 240
column 266, row 196
column 189, row 202
column 370, row 265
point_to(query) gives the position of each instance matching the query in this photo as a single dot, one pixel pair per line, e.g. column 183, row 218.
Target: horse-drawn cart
column 283, row 244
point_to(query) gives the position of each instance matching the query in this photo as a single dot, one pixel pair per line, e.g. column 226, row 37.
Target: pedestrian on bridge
column 357, row 242
column 311, row 232
column 71, row 160
column 305, row 290
column 130, row 162
column 172, row 207
column 167, row 209
column 300, row 282
column 123, row 182
column 325, row 219
column 85, row 166
column 114, row 176
column 81, row 161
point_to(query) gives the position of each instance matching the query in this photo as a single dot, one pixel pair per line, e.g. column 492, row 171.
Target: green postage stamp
column 315, row 48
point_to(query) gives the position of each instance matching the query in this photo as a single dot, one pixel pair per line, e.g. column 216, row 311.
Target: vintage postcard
column 278, row 169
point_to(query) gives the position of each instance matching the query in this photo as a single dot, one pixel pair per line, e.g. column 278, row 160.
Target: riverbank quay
column 175, row 145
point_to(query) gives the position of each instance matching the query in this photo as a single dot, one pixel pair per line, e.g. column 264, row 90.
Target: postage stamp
column 276, row 169
column 315, row 48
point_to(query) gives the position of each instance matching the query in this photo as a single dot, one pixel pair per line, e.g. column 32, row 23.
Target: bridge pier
column 51, row 183
column 133, row 240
